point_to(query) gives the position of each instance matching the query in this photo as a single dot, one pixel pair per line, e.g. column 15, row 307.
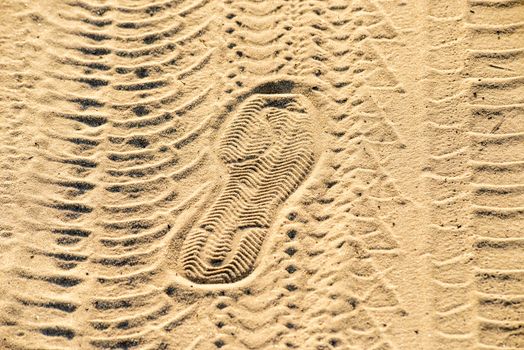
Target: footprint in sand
column 267, row 149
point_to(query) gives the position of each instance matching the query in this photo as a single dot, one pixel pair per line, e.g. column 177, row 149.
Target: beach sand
column 284, row 174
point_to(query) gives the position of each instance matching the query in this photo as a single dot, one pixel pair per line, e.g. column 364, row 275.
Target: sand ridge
column 285, row 174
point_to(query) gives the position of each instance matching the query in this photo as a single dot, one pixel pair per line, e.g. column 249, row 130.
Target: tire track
column 106, row 222
column 470, row 173
column 494, row 86
column 258, row 38
column 345, row 59
column 454, row 313
column 51, row 278
column 17, row 151
column 154, row 63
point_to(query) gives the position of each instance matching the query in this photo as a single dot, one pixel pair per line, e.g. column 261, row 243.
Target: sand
column 284, row 174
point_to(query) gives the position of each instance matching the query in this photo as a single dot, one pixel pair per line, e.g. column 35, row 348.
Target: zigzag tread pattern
column 268, row 150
